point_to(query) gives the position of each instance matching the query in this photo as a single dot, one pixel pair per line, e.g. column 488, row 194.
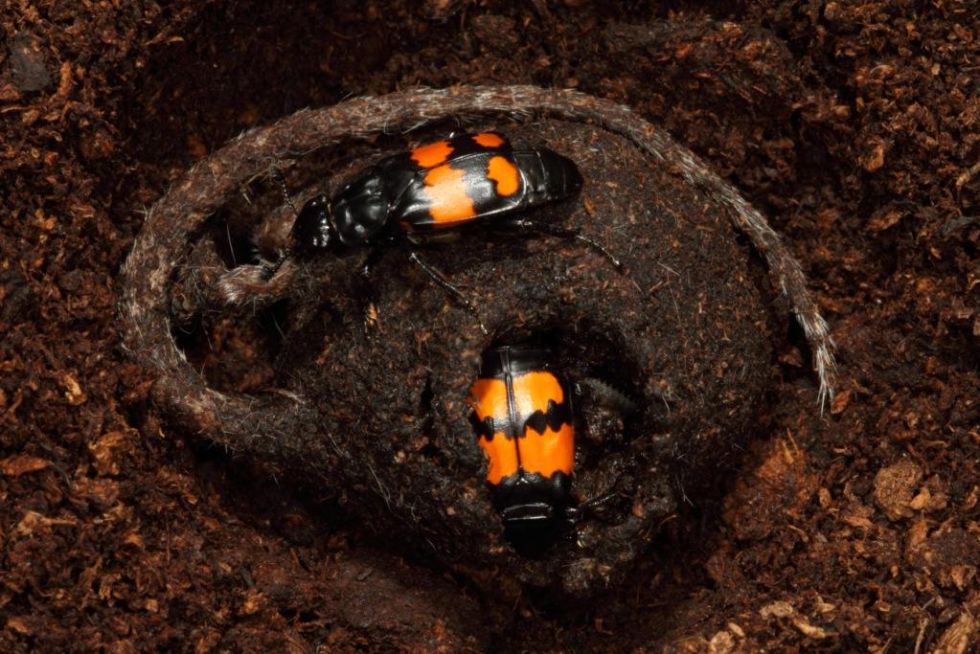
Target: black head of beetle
column 313, row 230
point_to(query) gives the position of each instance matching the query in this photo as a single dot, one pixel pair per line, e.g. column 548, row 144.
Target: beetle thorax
column 360, row 211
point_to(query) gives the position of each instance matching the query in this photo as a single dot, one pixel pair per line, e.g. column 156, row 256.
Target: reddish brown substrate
column 852, row 126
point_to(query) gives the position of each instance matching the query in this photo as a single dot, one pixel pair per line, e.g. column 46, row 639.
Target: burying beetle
column 436, row 188
column 525, row 424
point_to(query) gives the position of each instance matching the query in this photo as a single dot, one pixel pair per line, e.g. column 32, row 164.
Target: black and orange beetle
column 418, row 195
column 522, row 416
column 437, row 186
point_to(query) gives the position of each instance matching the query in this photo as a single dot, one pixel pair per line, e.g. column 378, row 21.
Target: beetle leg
column 575, row 514
column 445, row 284
column 599, row 500
column 372, row 260
column 528, row 225
column 362, row 282
column 437, row 237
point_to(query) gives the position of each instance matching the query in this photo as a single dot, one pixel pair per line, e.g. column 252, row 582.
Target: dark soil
column 855, row 127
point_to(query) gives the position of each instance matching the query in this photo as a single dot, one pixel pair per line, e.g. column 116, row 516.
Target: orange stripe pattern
column 445, row 188
column 505, row 176
column 545, row 453
column 433, row 154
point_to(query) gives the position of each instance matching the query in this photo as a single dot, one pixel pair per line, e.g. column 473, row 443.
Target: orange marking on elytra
column 505, row 174
column 446, row 189
column 488, row 397
column 547, row 453
column 489, row 139
column 553, row 450
column 550, row 452
column 533, row 389
column 432, row 154
column 501, row 457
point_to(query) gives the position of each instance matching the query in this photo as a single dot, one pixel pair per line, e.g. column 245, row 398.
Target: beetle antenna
column 281, row 180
